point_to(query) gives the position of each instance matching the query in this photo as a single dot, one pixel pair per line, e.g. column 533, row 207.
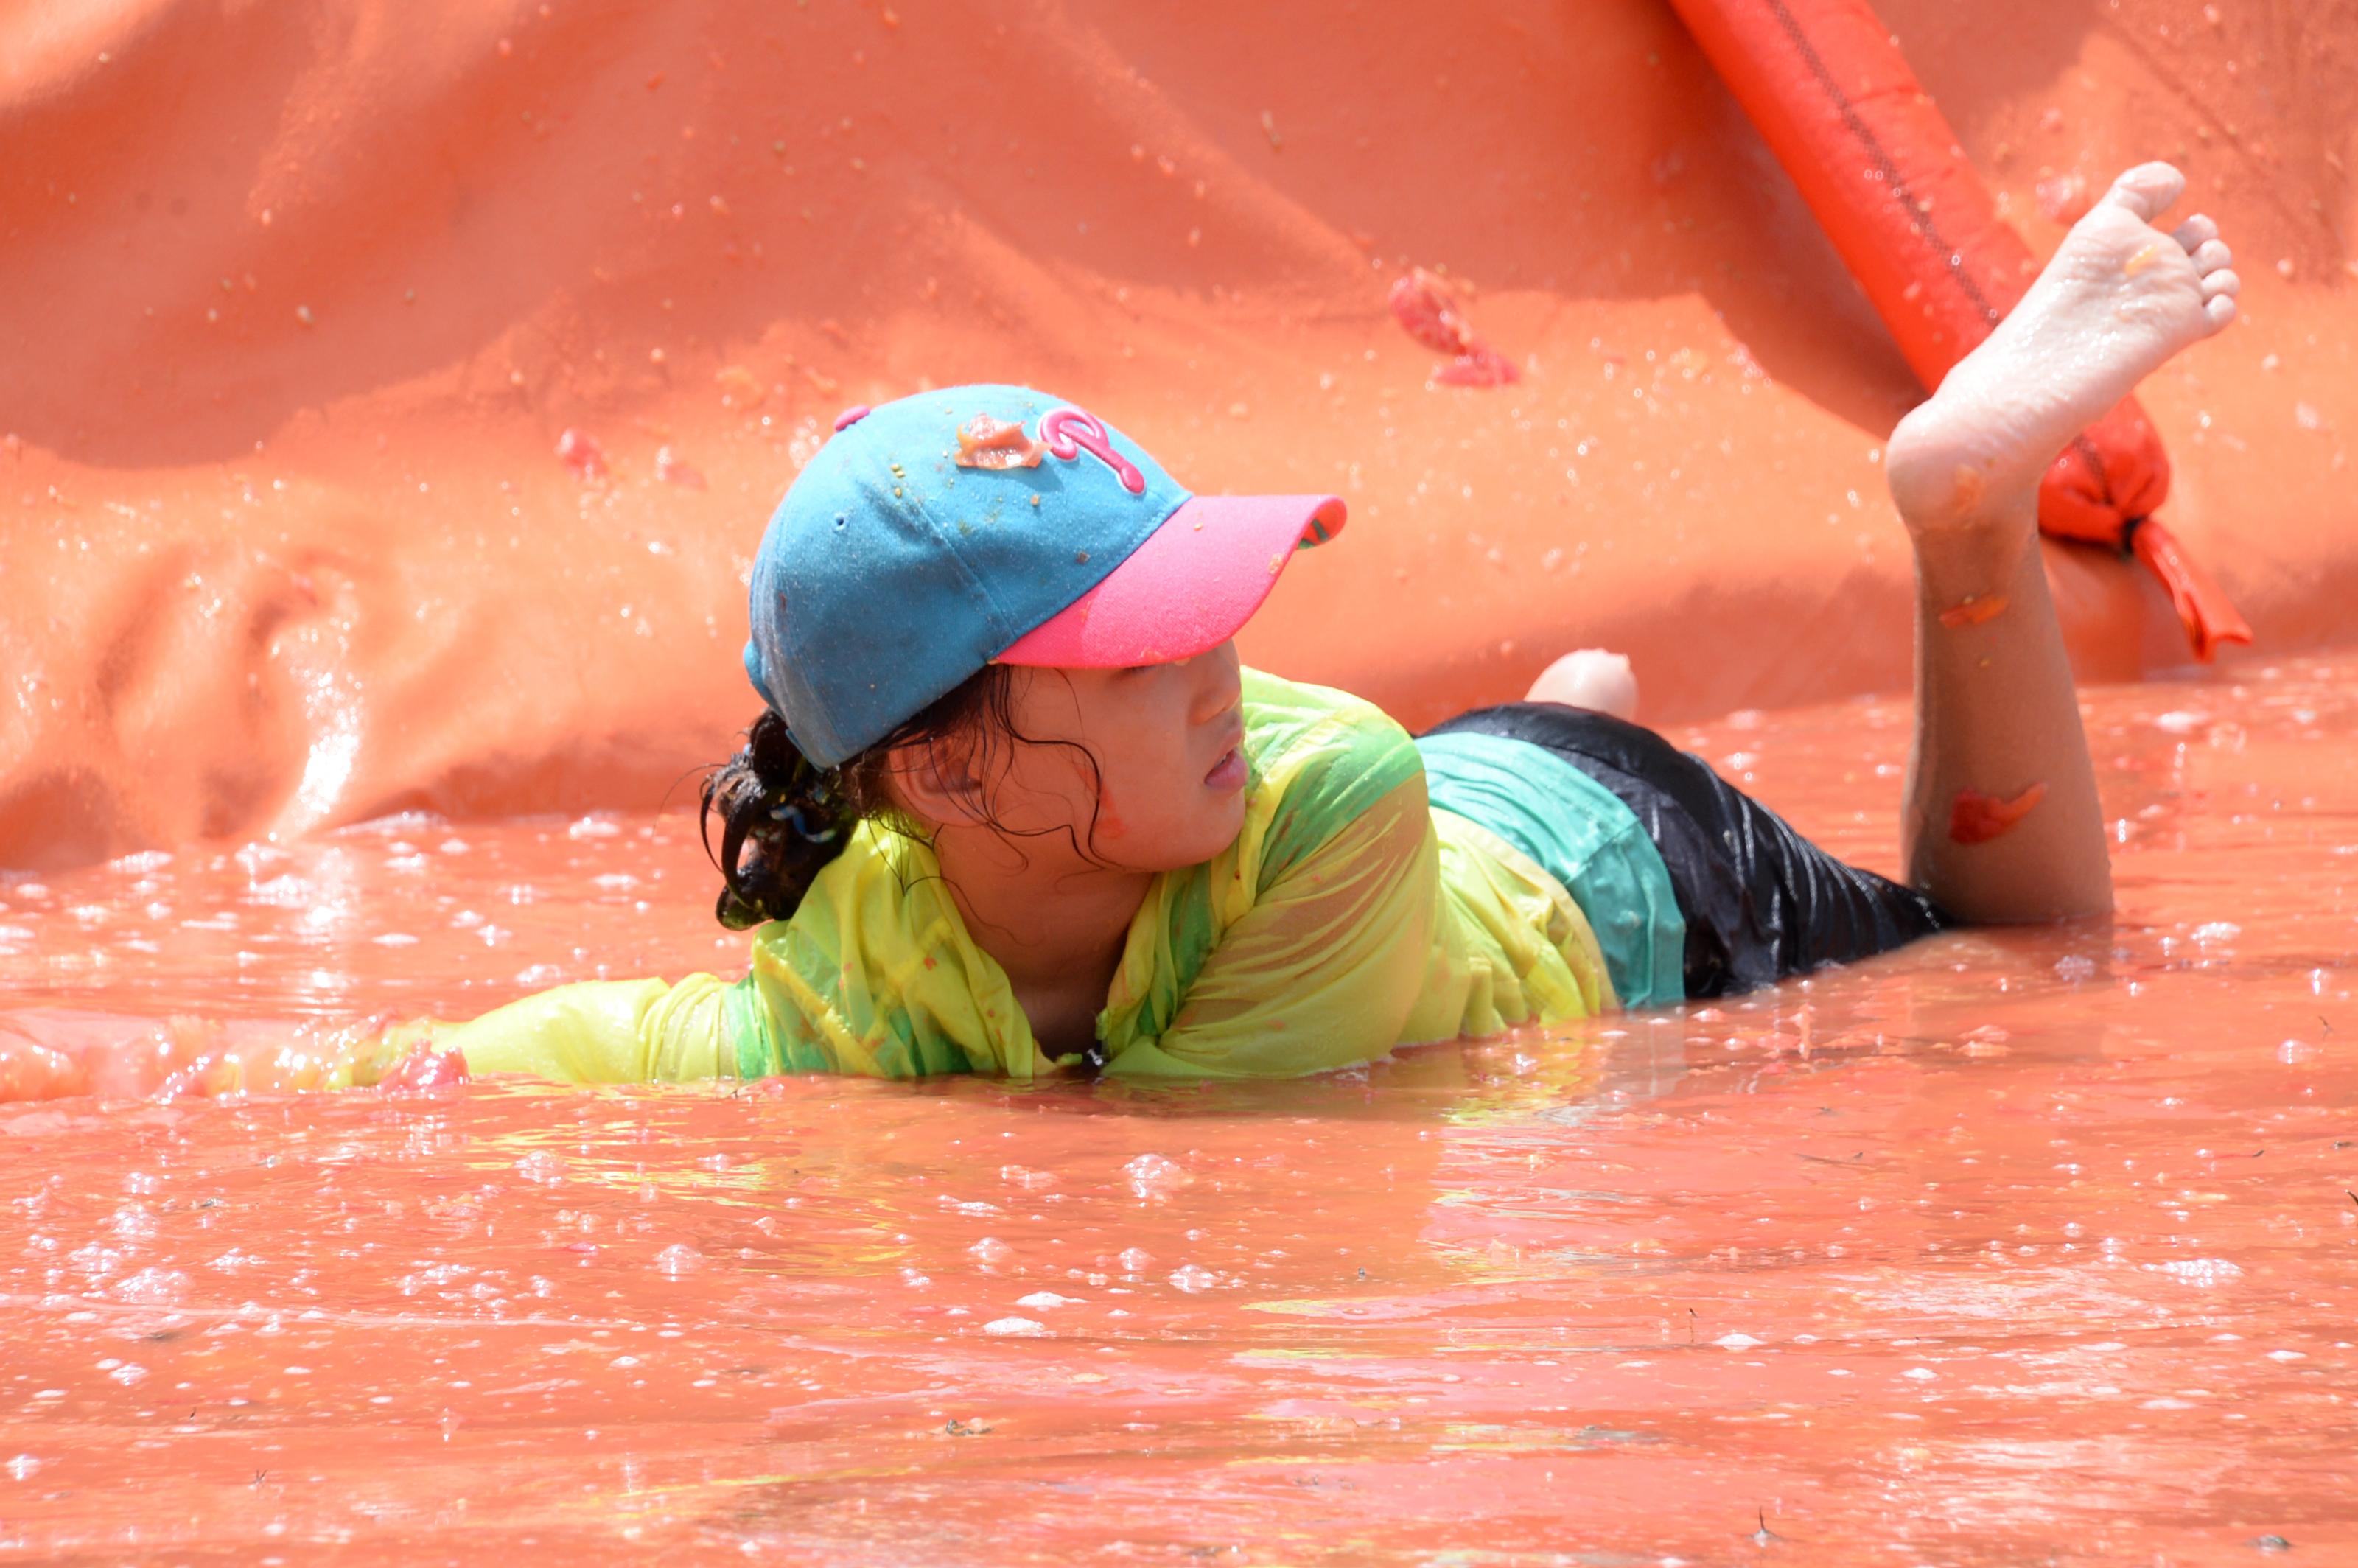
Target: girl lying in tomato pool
column 1011, row 805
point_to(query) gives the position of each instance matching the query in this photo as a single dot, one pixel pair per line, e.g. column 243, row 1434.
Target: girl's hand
column 423, row 1068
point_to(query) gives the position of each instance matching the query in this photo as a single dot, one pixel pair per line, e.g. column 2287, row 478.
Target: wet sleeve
column 1325, row 968
column 873, row 977
column 605, row 1031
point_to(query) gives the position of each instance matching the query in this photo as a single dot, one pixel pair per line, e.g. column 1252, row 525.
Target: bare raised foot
column 2118, row 299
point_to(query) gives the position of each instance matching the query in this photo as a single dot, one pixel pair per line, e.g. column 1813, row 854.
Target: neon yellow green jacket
column 1348, row 917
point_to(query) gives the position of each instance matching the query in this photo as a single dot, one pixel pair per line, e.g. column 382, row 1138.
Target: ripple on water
column 1972, row 1253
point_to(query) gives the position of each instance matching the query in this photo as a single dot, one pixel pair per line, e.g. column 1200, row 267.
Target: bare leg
column 2002, row 821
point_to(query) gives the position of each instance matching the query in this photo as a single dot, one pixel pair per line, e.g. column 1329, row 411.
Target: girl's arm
column 603, row 1032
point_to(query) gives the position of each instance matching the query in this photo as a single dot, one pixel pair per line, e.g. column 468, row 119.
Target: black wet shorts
column 1760, row 901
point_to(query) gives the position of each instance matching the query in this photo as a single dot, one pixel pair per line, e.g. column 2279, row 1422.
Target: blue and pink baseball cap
column 938, row 533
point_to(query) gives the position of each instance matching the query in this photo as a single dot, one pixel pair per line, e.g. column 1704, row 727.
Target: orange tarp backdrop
column 301, row 300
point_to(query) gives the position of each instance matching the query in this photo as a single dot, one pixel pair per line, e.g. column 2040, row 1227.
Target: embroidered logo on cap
column 1070, row 433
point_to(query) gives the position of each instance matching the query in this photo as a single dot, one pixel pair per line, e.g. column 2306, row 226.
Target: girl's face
column 1167, row 789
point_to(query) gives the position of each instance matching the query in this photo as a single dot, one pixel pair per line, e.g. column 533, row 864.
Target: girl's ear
column 935, row 784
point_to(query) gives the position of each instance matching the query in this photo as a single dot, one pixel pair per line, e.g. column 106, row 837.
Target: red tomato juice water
column 2017, row 1246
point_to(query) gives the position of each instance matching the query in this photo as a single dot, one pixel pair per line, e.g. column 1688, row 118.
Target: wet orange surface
column 2016, row 1247
column 399, row 396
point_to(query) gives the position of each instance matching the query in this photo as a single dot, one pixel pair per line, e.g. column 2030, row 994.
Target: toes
column 2195, row 232
column 2221, row 309
column 2222, row 285
column 2211, row 256
column 2146, row 190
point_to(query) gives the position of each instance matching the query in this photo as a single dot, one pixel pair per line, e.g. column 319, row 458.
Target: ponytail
column 782, row 819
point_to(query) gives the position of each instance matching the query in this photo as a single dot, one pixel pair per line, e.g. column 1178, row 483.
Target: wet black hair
column 783, row 818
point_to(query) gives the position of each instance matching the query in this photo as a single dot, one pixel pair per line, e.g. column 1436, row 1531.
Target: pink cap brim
column 1188, row 588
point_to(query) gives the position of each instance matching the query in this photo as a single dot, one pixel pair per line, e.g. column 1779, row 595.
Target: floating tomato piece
column 581, row 453
column 1423, row 305
column 988, row 443
column 1481, row 366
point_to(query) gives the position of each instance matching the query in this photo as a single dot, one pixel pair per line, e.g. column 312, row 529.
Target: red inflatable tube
column 1825, row 84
